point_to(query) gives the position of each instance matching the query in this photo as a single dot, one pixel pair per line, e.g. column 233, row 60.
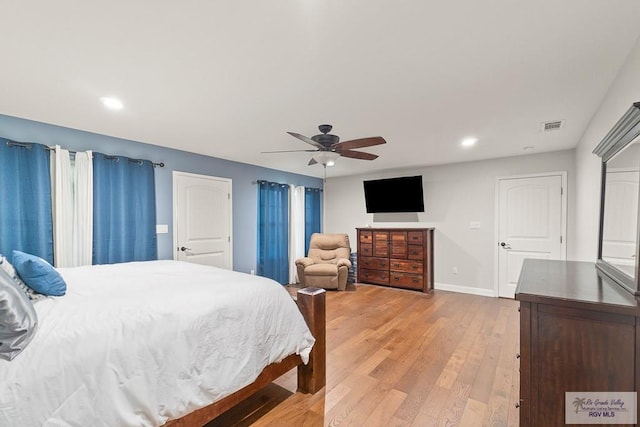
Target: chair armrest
column 345, row 262
column 304, row 262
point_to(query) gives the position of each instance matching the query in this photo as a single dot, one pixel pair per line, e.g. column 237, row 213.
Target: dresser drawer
column 366, row 249
column 414, row 237
column 405, row 266
column 406, row 280
column 366, row 237
column 374, row 263
column 415, row 252
column 374, row 276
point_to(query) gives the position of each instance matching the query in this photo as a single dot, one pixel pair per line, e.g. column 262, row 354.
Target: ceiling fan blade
column 358, row 155
column 289, row 151
column 313, row 161
column 359, row 143
column 306, row 139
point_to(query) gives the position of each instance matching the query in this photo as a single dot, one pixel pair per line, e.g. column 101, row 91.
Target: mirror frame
column 623, row 133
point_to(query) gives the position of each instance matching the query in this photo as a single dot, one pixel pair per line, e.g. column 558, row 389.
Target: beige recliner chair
column 327, row 264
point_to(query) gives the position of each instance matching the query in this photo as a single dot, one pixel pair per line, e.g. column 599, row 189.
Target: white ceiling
column 229, row 78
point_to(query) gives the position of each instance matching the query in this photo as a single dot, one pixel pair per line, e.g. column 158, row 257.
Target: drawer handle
column 415, row 280
column 415, row 267
column 414, row 253
column 396, row 278
column 414, row 238
column 396, row 265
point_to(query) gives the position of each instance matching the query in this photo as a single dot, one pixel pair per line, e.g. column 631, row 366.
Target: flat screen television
column 394, row 195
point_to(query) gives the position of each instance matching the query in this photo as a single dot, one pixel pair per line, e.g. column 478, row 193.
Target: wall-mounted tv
column 394, row 195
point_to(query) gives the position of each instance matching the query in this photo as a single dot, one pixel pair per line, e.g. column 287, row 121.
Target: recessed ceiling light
column 112, row 103
column 469, row 142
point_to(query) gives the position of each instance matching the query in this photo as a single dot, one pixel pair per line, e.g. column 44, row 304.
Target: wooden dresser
column 398, row 257
column 579, row 332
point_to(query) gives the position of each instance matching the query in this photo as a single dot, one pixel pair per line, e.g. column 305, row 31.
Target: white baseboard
column 465, row 289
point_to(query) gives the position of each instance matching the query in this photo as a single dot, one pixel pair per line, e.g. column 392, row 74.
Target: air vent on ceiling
column 552, row 125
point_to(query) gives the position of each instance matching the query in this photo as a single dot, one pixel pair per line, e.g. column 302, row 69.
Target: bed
column 159, row 343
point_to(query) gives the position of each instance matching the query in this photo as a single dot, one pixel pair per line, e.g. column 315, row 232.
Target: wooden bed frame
column 311, row 377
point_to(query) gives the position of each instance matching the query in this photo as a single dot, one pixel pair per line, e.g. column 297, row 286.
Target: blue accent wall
column 243, row 176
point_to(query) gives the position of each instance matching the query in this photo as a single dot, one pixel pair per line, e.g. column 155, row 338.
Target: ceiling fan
column 329, row 147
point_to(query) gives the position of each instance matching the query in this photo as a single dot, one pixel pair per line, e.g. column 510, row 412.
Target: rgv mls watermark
column 607, row 407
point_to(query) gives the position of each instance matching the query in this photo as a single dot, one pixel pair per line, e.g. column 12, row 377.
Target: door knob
column 184, row 249
column 505, row 245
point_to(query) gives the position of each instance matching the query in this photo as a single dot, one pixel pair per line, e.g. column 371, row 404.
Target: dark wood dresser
column 578, row 333
column 398, row 257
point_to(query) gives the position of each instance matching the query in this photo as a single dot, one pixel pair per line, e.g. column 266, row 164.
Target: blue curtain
column 124, row 210
column 25, row 200
column 273, row 231
column 312, row 214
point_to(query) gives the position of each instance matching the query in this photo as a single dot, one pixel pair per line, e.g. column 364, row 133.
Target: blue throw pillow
column 38, row 274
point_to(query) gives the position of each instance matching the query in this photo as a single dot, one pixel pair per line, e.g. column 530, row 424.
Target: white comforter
column 136, row 344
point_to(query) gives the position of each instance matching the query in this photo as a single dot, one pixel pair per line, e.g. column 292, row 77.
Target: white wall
column 454, row 194
column 623, row 92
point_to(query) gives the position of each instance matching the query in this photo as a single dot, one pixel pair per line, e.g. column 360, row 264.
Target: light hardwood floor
column 403, row 358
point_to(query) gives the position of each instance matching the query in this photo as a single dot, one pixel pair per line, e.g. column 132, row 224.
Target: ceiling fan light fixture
column 328, row 147
column 326, row 158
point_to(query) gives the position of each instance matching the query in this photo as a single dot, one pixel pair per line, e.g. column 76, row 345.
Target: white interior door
column 531, row 224
column 620, row 219
column 202, row 219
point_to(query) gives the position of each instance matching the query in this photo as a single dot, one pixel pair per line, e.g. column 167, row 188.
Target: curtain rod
column 279, row 183
column 270, row 182
column 27, row 145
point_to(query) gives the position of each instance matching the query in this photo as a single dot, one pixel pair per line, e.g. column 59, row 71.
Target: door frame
column 496, row 232
column 175, row 209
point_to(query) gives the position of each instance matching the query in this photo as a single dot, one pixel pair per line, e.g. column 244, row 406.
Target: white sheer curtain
column 83, row 213
column 62, row 200
column 296, row 230
column 72, row 199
